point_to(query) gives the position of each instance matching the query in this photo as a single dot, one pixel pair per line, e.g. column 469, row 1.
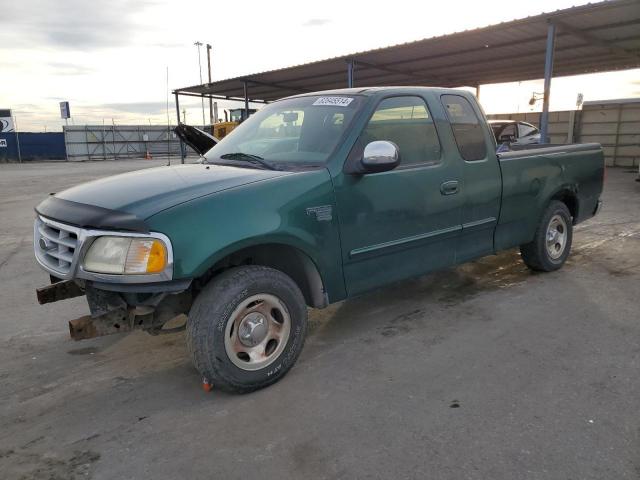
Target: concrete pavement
column 486, row 371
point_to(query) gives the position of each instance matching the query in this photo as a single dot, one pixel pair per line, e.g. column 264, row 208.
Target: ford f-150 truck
column 314, row 199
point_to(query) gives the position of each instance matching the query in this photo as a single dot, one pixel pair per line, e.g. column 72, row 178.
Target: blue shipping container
column 33, row 146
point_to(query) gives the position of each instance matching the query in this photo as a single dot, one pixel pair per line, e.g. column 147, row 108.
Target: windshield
column 303, row 130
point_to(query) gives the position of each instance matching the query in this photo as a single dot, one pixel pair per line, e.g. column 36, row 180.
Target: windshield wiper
column 249, row 158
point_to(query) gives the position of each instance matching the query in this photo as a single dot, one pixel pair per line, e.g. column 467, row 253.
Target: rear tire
column 246, row 328
column 551, row 243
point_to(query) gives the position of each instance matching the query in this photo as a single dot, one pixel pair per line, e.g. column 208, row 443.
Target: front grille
column 55, row 245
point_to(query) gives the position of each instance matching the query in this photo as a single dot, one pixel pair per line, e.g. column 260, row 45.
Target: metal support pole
column 246, row 101
column 571, row 128
column 178, row 121
column 211, row 116
column 15, row 126
column 199, row 44
column 113, row 132
column 104, row 141
column 66, row 144
column 350, row 73
column 548, row 73
column 618, row 122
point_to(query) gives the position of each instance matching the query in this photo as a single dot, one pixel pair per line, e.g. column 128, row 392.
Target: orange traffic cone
column 206, row 385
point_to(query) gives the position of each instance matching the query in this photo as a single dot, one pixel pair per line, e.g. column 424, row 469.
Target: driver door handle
column 449, row 188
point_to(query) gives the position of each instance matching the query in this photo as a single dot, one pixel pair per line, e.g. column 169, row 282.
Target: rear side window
column 466, row 126
column 526, row 130
column 507, row 134
column 406, row 122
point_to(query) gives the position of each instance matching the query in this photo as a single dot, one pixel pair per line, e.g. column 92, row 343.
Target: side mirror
column 380, row 156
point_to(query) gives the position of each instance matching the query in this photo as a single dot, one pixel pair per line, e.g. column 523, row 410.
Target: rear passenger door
column 481, row 178
column 403, row 222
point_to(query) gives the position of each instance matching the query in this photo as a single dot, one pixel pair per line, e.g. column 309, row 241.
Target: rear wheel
column 551, row 244
column 247, row 328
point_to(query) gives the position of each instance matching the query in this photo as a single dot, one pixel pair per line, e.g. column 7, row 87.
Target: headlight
column 126, row 255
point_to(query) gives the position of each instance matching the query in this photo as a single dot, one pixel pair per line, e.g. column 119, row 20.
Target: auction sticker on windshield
column 335, row 101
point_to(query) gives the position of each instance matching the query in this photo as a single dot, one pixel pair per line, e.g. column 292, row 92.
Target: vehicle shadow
column 414, row 299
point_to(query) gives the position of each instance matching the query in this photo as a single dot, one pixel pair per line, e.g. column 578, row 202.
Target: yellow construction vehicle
column 231, row 120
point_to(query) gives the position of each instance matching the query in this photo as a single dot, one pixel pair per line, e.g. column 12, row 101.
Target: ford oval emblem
column 44, row 243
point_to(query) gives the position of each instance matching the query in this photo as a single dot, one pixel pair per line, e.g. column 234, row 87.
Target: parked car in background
column 512, row 132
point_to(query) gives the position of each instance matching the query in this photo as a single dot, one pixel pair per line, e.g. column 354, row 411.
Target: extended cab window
column 466, row 127
column 406, row 122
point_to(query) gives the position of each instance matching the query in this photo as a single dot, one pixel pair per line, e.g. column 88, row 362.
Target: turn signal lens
column 157, row 257
column 146, row 256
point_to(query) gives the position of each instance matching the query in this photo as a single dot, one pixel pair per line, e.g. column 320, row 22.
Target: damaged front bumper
column 122, row 308
column 117, row 302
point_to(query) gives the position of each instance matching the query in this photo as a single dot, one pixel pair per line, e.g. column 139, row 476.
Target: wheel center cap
column 252, row 329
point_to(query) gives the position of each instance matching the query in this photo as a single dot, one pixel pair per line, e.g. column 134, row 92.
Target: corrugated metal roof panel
column 590, row 38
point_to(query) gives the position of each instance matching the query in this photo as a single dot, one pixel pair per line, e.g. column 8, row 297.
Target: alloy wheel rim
column 257, row 332
column 556, row 237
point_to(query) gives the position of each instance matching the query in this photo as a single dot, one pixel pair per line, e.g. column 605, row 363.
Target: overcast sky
column 109, row 58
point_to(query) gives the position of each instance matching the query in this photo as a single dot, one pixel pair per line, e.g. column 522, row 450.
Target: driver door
column 404, row 222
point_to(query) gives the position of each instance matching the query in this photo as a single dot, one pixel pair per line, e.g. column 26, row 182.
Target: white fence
column 108, row 142
column 615, row 124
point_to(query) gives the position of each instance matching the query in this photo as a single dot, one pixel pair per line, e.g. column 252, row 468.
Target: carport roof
column 597, row 37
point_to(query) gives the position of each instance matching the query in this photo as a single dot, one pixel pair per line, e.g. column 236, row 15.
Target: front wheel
column 552, row 241
column 246, row 328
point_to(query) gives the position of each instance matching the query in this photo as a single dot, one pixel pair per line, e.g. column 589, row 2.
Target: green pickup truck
column 314, row 199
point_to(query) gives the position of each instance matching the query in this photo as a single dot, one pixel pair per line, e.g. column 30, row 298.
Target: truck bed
column 533, row 175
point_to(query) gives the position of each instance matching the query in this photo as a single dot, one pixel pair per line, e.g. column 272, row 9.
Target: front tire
column 551, row 244
column 246, row 328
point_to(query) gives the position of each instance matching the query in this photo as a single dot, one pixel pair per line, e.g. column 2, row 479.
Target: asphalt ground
column 485, row 371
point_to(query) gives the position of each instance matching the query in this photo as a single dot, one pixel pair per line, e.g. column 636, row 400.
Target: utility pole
column 199, row 44
column 168, row 123
column 211, row 118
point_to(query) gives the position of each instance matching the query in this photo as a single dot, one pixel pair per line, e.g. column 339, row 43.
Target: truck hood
column 143, row 193
column 197, row 139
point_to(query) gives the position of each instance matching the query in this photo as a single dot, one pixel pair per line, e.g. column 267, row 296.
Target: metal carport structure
column 598, row 37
